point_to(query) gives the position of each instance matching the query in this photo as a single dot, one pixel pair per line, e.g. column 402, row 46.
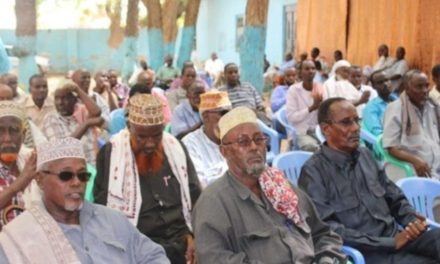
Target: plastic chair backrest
column 117, row 121
column 405, row 166
column 89, row 188
column 368, row 137
column 291, row 163
column 354, row 254
column 421, row 193
column 291, row 131
column 274, row 141
column 319, row 134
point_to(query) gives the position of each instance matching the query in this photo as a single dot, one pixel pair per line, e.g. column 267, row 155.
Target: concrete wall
column 216, row 29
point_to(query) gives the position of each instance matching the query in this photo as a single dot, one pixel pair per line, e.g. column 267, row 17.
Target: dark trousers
column 423, row 250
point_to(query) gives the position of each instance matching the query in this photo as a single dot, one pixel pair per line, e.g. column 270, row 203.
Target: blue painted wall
column 71, row 49
column 216, row 29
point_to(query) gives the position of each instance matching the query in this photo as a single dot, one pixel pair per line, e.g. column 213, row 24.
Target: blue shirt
column 184, row 117
column 278, row 98
column 372, row 115
column 106, row 236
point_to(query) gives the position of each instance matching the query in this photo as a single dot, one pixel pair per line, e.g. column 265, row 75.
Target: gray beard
column 256, row 170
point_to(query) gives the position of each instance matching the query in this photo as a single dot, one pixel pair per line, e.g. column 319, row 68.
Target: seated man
column 120, row 90
column 355, row 78
column 82, row 78
column 63, row 124
column 11, row 80
column 340, row 86
column 17, row 163
column 252, row 214
column 303, row 100
column 148, row 175
column 243, row 94
column 63, row 228
column 186, row 116
column 203, row 143
column 278, row 97
column 167, row 73
column 353, row 194
column 411, row 128
column 434, row 94
column 102, row 87
column 384, row 60
column 375, row 108
column 175, row 96
column 397, row 70
column 38, row 104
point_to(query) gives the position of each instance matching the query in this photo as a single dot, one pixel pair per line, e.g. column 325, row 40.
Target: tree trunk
column 188, row 31
column 155, row 37
column 26, row 14
column 170, row 11
column 130, row 40
column 113, row 10
column 252, row 47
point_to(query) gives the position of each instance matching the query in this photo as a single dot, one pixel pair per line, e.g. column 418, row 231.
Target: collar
column 339, row 158
column 243, row 192
column 29, row 102
column 86, row 213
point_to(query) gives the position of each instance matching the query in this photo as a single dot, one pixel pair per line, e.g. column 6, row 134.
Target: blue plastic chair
column 319, row 134
column 274, row 141
column 354, row 254
column 117, row 121
column 291, row 131
column 291, row 163
column 388, row 158
column 90, row 184
column 421, row 193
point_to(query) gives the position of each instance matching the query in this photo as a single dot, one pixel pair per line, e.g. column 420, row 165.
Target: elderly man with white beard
column 253, row 214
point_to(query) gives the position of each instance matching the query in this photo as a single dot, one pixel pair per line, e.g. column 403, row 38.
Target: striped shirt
column 206, row 156
column 243, row 94
column 57, row 126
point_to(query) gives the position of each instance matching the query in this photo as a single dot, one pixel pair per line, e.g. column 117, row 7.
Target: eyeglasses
column 246, row 141
column 66, row 176
column 346, row 122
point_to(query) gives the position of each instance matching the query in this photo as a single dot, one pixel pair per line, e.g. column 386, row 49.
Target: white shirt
column 298, row 101
column 399, row 67
column 373, row 94
column 214, row 67
column 383, row 63
column 206, row 156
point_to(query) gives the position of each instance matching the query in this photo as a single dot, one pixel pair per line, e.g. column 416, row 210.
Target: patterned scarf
column 124, row 192
column 280, row 193
column 35, row 237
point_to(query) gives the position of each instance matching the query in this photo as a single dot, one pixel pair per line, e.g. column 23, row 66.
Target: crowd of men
column 171, row 167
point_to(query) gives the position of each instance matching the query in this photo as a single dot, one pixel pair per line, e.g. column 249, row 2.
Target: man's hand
column 400, row 239
column 95, row 121
column 317, row 99
column 190, row 250
column 29, row 172
column 422, row 168
column 364, row 97
column 416, row 228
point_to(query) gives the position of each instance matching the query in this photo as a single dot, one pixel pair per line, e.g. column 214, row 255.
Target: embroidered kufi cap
column 214, row 100
column 59, row 148
column 11, row 108
column 237, row 116
column 145, row 110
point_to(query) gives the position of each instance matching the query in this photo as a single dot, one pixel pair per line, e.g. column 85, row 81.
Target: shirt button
column 86, row 248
